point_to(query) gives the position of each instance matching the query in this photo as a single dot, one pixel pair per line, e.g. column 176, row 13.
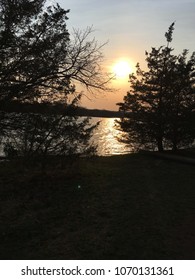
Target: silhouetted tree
column 41, row 62
column 159, row 105
column 179, row 105
column 38, row 136
column 38, row 59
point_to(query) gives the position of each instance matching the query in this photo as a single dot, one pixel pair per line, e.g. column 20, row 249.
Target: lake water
column 105, row 138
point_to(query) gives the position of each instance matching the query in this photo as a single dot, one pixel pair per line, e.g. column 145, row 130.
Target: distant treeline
column 98, row 113
column 57, row 108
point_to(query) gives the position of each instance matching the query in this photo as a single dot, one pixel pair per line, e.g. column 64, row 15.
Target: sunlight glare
column 122, row 69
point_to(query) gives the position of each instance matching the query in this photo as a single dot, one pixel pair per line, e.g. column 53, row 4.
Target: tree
column 159, row 105
column 38, row 136
column 40, row 62
column 179, row 129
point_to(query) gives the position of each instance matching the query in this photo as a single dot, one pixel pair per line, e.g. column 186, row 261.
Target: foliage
column 33, row 135
column 40, row 62
column 38, row 58
column 42, row 135
column 159, row 105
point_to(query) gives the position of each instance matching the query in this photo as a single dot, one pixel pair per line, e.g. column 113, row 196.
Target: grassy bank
column 119, row 207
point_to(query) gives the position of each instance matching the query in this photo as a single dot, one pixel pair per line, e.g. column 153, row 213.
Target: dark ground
column 119, row 207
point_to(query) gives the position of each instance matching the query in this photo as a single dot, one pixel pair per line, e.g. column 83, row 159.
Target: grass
column 119, row 207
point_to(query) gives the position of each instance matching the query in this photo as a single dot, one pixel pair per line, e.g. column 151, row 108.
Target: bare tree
column 40, row 62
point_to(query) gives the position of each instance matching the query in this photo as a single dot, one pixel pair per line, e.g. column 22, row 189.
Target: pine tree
column 159, row 105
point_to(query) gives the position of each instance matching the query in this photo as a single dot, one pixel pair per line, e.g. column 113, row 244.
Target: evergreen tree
column 159, row 105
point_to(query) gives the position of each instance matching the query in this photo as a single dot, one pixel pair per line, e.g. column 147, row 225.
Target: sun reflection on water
column 105, row 138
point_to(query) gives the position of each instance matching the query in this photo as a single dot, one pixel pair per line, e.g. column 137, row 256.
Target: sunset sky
column 131, row 27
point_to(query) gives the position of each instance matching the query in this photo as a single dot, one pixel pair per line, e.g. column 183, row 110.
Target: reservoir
column 105, row 137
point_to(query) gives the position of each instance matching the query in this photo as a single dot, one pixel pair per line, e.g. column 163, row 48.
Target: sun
column 122, row 69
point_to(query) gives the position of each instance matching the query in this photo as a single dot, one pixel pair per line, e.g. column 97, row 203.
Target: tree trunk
column 160, row 145
column 174, row 140
column 174, row 147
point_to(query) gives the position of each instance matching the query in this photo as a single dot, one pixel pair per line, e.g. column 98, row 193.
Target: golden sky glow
column 122, row 69
column 131, row 28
